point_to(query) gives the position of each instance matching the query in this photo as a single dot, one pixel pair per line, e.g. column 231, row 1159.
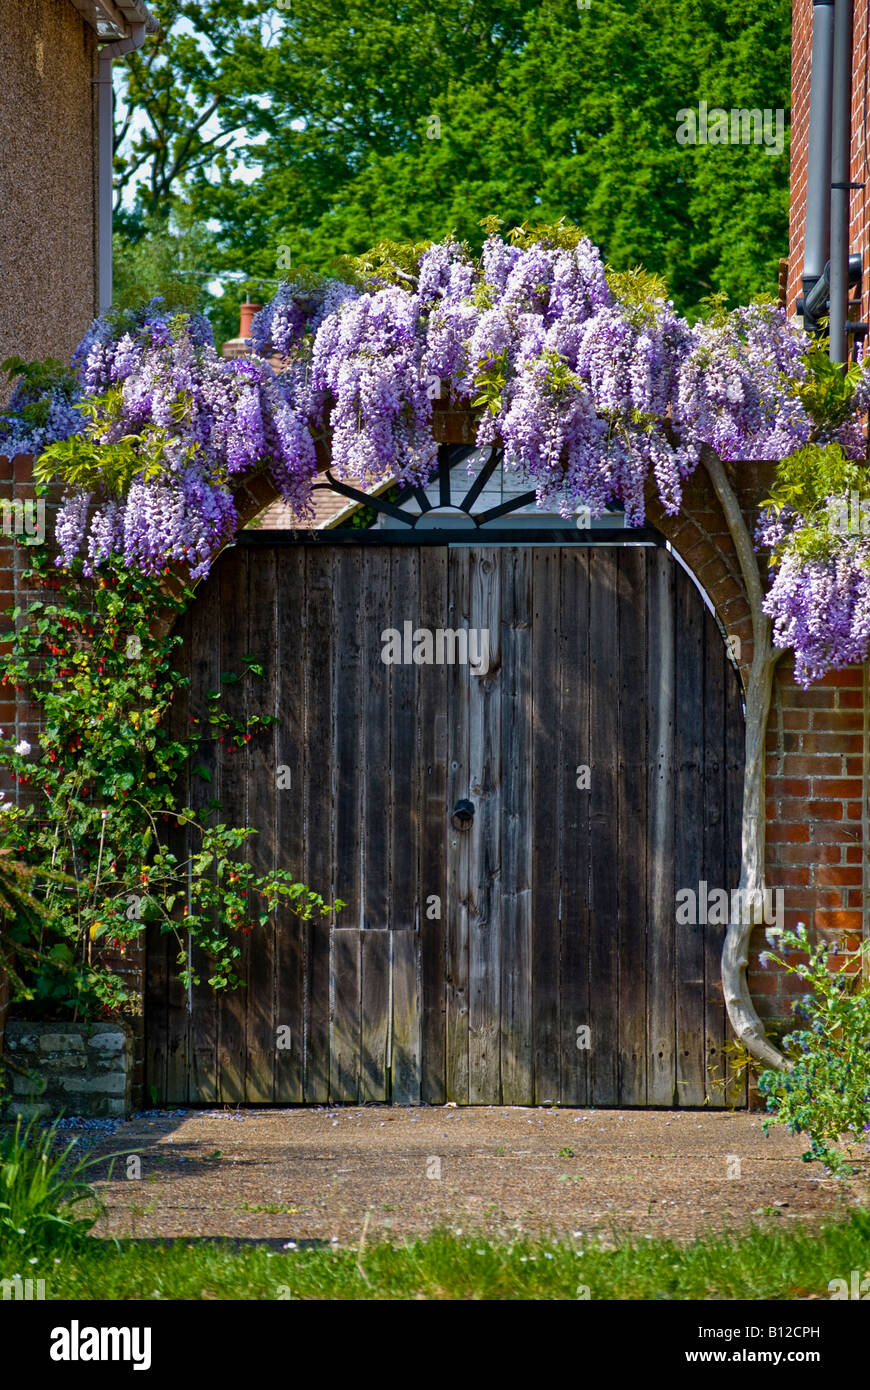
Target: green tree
column 398, row 119
column 185, row 100
column 174, row 257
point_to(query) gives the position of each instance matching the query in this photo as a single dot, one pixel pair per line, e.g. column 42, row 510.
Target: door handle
column 463, row 815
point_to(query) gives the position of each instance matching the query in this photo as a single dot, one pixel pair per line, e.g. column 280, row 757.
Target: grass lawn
column 759, row 1263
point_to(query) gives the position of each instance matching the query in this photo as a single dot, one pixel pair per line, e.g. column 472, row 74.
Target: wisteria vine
column 588, row 379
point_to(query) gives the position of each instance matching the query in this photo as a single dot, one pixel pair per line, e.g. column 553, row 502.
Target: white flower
column 23, row 748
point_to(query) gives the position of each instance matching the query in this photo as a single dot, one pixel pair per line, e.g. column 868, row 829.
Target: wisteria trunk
column 735, row 953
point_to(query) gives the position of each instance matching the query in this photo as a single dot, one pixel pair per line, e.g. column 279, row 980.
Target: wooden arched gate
column 530, row 953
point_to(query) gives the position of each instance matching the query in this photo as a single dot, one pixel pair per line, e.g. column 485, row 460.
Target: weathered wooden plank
column 537, row 810
column 349, row 618
column 433, row 839
column 319, row 782
column 261, row 702
column 406, row 782
column 375, row 1012
column 291, row 625
column 631, row 826
column 578, row 751
column 459, row 841
column 380, row 607
column 369, row 745
column 161, row 948
column 405, row 774
column 689, row 838
column 483, row 692
column 406, row 1070
column 156, row 1024
column 205, row 786
column 232, row 1006
column 715, row 810
column 344, row 1060
column 660, row 702
column 604, row 910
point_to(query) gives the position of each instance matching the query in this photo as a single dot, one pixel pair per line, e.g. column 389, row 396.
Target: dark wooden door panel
column 531, row 957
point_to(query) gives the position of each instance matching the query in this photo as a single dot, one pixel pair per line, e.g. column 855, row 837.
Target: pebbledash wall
column 48, row 179
column 818, row 742
column 802, row 31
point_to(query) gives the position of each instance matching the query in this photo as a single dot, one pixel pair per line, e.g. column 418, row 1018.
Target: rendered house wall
column 48, row 179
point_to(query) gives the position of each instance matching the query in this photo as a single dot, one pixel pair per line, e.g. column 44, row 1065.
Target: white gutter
column 105, row 142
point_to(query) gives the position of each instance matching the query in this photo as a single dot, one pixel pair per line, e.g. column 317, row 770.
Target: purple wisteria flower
column 592, row 397
column 209, row 418
column 821, row 608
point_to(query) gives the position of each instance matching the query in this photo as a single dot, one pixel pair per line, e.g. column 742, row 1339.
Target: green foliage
column 490, row 379
column 174, row 255
column 402, row 122
column 83, row 461
column 827, row 391
column 826, row 1095
column 183, row 100
column 40, row 377
column 108, row 816
column 638, row 291
column 713, row 309
column 814, row 482
column 39, row 381
column 563, row 234
column 387, row 263
column 45, row 1203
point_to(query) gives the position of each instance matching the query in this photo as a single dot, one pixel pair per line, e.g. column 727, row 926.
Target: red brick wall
column 818, row 762
column 818, row 741
column 802, row 23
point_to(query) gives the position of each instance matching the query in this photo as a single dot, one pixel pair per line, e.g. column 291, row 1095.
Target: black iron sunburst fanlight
column 411, row 513
column 447, row 513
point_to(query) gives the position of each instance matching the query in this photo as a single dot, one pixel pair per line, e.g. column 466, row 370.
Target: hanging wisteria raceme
column 735, row 387
column 369, row 357
column 590, row 383
column 40, row 412
column 821, row 608
column 114, row 343
column 292, row 317
column 819, row 597
column 217, row 420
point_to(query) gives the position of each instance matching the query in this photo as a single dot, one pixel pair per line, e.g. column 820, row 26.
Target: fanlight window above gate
column 469, row 492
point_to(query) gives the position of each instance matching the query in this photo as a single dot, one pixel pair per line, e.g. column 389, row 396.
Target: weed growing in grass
column 45, row 1202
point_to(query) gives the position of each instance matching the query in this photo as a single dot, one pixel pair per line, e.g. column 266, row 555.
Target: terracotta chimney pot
column 248, row 312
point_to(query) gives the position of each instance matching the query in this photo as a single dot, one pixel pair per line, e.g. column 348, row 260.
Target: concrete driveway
column 323, row 1174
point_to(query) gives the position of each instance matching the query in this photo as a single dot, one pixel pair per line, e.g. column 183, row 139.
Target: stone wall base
column 82, row 1069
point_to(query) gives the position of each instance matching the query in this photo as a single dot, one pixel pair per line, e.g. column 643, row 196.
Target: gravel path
column 315, row 1174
